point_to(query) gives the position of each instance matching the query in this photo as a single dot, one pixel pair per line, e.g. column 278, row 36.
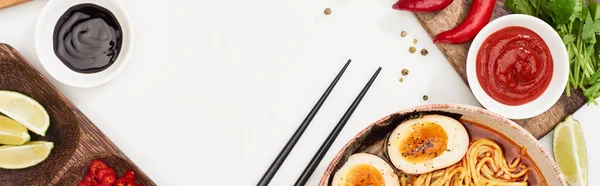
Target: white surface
column 560, row 73
column 44, row 43
column 214, row 89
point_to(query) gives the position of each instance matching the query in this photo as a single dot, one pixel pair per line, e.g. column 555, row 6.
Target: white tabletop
column 214, row 89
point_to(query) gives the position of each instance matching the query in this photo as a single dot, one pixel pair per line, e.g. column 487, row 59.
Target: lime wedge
column 570, row 152
column 23, row 156
column 12, row 133
column 25, row 111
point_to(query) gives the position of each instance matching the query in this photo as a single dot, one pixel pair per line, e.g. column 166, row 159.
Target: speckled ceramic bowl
column 378, row 130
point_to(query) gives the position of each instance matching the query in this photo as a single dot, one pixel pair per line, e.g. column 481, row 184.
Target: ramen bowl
column 376, row 134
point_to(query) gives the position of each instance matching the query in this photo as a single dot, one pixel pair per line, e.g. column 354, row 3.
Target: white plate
column 44, row 43
column 559, row 75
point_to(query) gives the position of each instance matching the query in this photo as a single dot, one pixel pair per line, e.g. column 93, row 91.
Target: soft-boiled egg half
column 365, row 169
column 427, row 143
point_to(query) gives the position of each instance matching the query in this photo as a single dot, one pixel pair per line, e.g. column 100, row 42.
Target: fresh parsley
column 578, row 24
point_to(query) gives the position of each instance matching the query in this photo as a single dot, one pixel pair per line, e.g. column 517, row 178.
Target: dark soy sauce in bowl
column 87, row 38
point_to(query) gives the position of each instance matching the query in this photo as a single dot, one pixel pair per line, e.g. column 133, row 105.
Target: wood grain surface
column 9, row 3
column 77, row 141
column 437, row 22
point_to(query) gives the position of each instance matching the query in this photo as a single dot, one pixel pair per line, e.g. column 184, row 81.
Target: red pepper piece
column 90, row 175
column 421, row 5
column 479, row 15
column 89, row 179
column 109, row 179
column 103, row 171
column 123, row 181
column 95, row 165
column 130, row 174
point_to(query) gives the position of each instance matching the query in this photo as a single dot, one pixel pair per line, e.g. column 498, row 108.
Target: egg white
column 389, row 176
column 456, row 148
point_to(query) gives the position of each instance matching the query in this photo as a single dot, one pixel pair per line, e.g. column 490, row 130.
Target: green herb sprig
column 578, row 24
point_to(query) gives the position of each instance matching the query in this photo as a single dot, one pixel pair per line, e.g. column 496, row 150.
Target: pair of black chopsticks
column 314, row 162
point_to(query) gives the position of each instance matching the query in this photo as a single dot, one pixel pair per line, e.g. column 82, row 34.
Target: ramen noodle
column 484, row 164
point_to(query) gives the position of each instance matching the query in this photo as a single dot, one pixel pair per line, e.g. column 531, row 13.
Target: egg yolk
column 364, row 174
column 427, row 141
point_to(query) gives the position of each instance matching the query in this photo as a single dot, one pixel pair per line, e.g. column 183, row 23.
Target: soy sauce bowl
column 44, row 43
column 560, row 71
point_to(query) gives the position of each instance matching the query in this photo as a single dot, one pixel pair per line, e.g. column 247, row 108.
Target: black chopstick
column 266, row 178
column 314, row 162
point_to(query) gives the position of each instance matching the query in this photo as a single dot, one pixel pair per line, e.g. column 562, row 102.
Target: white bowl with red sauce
column 517, row 66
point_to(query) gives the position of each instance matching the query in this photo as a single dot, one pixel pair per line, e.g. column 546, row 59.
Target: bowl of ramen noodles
column 443, row 145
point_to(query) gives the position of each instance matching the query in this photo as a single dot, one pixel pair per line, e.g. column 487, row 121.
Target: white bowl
column 44, row 43
column 559, row 75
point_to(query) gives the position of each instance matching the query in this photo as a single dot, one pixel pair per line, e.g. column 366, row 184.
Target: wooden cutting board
column 77, row 141
column 437, row 22
column 9, row 3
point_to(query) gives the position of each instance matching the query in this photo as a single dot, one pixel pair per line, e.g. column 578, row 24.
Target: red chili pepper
column 109, row 179
column 103, row 171
column 421, row 5
column 89, row 179
column 130, row 174
column 95, row 165
column 123, row 181
column 479, row 15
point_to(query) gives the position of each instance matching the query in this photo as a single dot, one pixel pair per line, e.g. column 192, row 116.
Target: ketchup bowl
column 517, row 66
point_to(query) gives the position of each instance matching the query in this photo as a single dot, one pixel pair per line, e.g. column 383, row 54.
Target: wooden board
column 437, row 22
column 9, row 3
column 77, row 141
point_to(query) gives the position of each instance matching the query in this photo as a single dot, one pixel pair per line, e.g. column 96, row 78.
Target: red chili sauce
column 514, row 65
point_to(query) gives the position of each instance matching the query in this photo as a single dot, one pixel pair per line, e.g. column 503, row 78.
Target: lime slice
column 25, row 111
column 23, row 156
column 570, row 152
column 12, row 133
